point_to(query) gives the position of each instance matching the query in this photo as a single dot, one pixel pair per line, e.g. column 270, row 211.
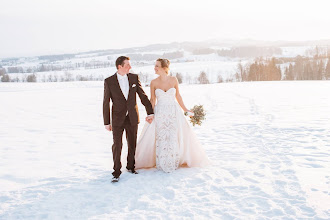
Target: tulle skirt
column 191, row 152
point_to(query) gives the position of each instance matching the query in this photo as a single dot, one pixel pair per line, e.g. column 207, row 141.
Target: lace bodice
column 167, row 97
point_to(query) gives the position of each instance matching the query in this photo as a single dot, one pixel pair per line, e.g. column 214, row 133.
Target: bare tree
column 220, row 79
column 44, row 78
column 327, row 70
column 55, row 78
column 241, row 73
column 188, row 79
column 2, row 71
column 179, row 77
column 100, row 78
column 202, row 78
column 50, row 78
column 16, row 79
column 319, row 70
column 67, row 76
column 81, row 78
column 31, row 78
column 230, row 78
column 289, row 73
column 5, row 78
column 144, row 77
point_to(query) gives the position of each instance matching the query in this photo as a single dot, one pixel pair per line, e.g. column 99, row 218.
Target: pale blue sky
column 62, row 26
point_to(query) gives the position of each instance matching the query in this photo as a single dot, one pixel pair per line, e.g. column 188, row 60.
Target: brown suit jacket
column 120, row 105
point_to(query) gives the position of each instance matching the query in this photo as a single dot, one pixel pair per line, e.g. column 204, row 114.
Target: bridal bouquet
column 198, row 116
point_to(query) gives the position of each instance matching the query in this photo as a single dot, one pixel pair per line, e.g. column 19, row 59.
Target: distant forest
column 298, row 68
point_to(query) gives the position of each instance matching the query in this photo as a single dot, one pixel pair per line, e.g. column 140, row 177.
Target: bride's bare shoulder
column 154, row 81
column 174, row 79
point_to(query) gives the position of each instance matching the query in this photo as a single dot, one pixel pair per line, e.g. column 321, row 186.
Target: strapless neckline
column 167, row 90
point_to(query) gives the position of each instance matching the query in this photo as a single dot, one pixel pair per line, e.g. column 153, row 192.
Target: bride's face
column 158, row 68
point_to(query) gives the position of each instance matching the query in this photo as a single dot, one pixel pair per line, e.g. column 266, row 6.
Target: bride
column 168, row 141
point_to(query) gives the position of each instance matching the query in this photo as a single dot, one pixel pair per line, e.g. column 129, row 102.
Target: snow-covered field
column 269, row 143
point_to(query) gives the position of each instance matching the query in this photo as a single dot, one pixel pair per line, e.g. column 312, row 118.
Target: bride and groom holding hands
column 167, row 140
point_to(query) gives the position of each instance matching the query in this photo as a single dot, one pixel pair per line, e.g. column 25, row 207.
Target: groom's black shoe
column 133, row 171
column 114, row 179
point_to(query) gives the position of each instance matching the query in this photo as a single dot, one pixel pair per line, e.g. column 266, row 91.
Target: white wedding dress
column 169, row 141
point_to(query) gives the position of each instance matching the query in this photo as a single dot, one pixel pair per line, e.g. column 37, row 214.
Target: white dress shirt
column 124, row 85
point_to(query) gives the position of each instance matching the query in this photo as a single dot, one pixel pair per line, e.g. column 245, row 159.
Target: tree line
column 66, row 77
column 261, row 69
column 59, row 67
column 298, row 68
column 317, row 68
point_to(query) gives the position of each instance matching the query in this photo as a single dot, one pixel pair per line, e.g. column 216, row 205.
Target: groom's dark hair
column 120, row 60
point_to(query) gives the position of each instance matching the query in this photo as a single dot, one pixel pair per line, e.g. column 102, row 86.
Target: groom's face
column 126, row 67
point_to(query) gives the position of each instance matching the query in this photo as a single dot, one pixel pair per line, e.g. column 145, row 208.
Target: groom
column 121, row 89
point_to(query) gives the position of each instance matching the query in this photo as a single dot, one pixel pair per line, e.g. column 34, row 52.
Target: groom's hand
column 108, row 127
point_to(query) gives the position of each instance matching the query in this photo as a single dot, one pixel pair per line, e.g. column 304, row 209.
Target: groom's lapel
column 118, row 87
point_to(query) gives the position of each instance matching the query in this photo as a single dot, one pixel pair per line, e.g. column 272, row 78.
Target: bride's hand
column 189, row 113
column 149, row 118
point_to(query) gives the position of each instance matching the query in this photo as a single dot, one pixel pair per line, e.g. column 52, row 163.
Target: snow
column 269, row 144
column 193, row 69
column 294, row 51
column 225, row 68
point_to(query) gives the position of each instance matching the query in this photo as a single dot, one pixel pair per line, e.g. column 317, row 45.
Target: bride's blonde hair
column 165, row 63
